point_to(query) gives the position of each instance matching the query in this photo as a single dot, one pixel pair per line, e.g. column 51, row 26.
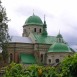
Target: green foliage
column 49, row 72
column 13, row 70
column 16, row 70
column 68, row 67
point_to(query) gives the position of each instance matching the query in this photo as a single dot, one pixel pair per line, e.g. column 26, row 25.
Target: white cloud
column 60, row 15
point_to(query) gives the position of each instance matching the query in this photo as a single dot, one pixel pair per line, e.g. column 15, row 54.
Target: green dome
column 59, row 36
column 59, row 47
column 34, row 20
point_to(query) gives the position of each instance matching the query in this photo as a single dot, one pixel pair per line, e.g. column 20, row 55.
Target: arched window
column 11, row 57
column 49, row 61
column 57, row 60
column 40, row 30
column 34, row 29
column 41, row 57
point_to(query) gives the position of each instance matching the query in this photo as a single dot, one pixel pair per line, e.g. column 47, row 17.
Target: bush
column 69, row 66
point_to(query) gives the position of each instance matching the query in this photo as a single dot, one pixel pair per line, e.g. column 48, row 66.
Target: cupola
column 34, row 20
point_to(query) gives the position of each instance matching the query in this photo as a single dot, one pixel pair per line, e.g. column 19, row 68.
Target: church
column 35, row 46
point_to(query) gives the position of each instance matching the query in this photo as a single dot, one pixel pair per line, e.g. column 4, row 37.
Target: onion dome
column 59, row 36
column 34, row 20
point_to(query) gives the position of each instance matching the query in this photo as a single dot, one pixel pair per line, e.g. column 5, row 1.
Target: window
column 49, row 61
column 40, row 30
column 57, row 60
column 34, row 29
column 25, row 30
column 59, row 39
column 11, row 57
column 41, row 57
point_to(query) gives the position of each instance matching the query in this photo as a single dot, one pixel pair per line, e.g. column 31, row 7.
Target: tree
column 68, row 68
column 4, row 35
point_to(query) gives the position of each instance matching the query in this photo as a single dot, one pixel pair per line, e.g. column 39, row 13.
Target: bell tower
column 44, row 33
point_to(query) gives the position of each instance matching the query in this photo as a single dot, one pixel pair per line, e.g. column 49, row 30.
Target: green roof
column 27, row 58
column 44, row 39
column 34, row 20
column 59, row 47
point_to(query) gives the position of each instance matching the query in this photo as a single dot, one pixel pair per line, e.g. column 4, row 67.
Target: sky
column 60, row 15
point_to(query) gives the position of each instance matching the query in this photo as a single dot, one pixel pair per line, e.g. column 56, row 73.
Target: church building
column 35, row 46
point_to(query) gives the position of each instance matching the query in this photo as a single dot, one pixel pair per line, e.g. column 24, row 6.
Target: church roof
column 34, row 20
column 20, row 39
column 59, row 47
column 44, row 39
column 27, row 58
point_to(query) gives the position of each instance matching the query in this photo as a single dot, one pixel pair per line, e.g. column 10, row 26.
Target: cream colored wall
column 31, row 29
column 18, row 48
column 54, row 56
column 43, row 48
column 42, row 52
column 31, row 48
